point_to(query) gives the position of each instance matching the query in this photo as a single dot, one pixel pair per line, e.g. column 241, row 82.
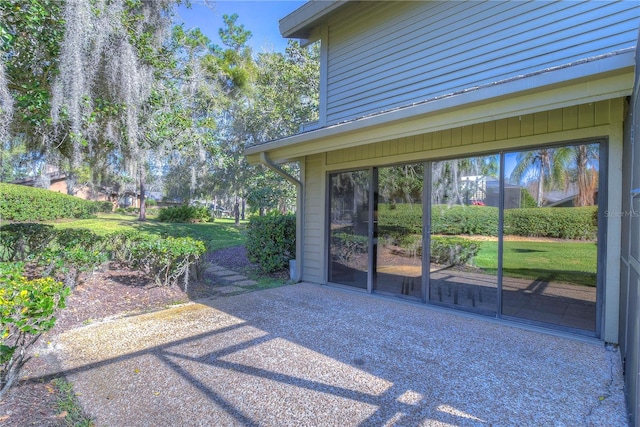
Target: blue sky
column 258, row 16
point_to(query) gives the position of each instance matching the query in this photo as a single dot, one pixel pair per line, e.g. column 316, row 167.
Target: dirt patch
column 113, row 291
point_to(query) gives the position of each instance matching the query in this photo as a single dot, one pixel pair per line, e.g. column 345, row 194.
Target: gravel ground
column 308, row 355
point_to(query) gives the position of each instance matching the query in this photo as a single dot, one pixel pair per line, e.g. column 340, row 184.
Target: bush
column 19, row 241
column 104, row 206
column 345, row 246
column 562, row 223
column 271, row 241
column 21, row 203
column 185, row 213
column 167, row 260
column 27, row 309
column 462, row 219
column 72, row 252
column 452, row 250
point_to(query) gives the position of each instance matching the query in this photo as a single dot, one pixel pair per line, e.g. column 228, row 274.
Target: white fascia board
column 300, row 22
column 607, row 78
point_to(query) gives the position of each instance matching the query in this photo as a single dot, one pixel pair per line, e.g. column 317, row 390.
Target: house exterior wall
column 598, row 121
column 630, row 256
column 383, row 55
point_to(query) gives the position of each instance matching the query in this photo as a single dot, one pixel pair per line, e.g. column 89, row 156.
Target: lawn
column 220, row 234
column 571, row 262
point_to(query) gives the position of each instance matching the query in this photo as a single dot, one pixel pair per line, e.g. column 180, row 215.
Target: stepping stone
column 214, row 267
column 229, row 289
column 224, row 273
column 236, row 278
column 247, row 282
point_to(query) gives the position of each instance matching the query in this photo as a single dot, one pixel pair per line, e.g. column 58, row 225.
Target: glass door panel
column 550, row 247
column 349, row 224
column 464, row 229
column 398, row 213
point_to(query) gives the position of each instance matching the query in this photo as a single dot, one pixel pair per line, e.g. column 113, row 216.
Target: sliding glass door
column 550, row 255
column 511, row 235
column 398, row 230
column 349, row 228
column 464, row 227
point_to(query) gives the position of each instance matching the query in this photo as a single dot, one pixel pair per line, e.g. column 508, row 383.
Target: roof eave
column 300, row 23
column 571, row 85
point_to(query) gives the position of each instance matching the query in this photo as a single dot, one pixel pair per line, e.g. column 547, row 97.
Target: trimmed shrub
column 271, row 241
column 21, row 203
column 185, row 213
column 167, row 260
column 19, row 241
column 464, row 219
column 563, row 223
column 452, row 250
column 27, row 309
column 345, row 246
column 72, row 252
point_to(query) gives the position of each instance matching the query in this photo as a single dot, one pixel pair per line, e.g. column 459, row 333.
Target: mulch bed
column 114, row 291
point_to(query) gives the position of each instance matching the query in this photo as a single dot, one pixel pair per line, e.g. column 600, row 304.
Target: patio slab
column 309, row 355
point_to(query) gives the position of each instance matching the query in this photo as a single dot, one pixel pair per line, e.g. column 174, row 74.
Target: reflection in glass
column 464, row 226
column 398, row 211
column 550, row 248
column 349, row 243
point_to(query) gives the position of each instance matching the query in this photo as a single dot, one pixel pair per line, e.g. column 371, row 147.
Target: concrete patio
column 309, row 355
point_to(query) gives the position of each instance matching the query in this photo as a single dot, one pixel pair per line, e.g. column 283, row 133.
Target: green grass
column 570, row 262
column 222, row 233
column 69, row 406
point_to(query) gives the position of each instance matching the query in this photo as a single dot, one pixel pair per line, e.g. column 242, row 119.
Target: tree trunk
column 236, row 212
column 143, row 204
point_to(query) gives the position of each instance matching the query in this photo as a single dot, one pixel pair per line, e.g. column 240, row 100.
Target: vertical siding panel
column 489, row 131
column 402, row 145
column 540, row 123
column 502, row 129
column 586, row 115
column 379, row 150
column 427, row 142
column 456, row 137
column 514, row 127
column 602, row 113
column 555, row 121
column 446, row 138
column 478, row 133
column 467, row 135
column 526, row 125
column 570, row 118
column 437, row 140
column 393, row 147
column 410, row 144
column 419, row 143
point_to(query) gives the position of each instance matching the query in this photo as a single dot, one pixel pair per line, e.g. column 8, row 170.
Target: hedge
column 562, row 223
column 185, row 213
column 578, row 223
column 271, row 241
column 22, row 203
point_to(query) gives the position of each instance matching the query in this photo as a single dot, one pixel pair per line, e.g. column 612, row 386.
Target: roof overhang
column 587, row 81
column 300, row 23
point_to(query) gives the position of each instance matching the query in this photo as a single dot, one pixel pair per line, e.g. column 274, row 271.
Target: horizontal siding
column 546, row 122
column 313, row 220
column 388, row 54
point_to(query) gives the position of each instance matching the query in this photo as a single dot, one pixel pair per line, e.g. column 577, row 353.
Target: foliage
column 563, row 223
column 345, row 245
column 271, row 241
column 72, row 252
column 19, row 241
column 526, row 199
column 452, row 250
column 167, row 260
column 20, row 203
column 27, row 309
column 185, row 213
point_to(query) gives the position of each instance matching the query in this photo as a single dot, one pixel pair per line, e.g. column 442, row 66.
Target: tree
column 586, row 157
column 546, row 165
